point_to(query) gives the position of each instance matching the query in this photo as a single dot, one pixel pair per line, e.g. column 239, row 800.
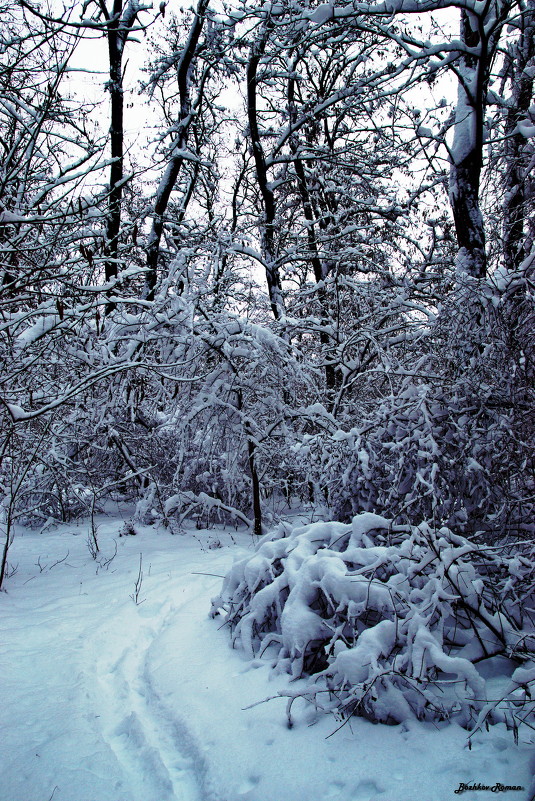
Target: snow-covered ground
column 103, row 699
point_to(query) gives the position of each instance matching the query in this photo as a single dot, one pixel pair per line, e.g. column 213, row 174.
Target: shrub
column 392, row 620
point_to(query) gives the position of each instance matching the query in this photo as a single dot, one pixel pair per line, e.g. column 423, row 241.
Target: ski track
column 153, row 750
column 101, row 722
column 106, row 700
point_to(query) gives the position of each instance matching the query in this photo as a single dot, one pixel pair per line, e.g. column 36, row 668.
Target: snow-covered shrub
column 206, row 509
column 233, row 428
column 35, row 477
column 210, row 474
column 451, row 438
column 393, row 620
column 436, row 454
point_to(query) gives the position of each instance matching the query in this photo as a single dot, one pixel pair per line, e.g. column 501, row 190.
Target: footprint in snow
column 365, row 790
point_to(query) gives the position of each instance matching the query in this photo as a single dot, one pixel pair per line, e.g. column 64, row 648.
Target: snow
column 16, row 412
column 526, row 128
column 464, row 136
column 425, row 132
column 37, row 330
column 322, row 13
column 373, row 642
column 105, row 700
column 10, row 217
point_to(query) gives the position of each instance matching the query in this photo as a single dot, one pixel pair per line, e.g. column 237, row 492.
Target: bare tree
column 519, row 72
column 117, row 20
column 184, row 61
column 256, row 55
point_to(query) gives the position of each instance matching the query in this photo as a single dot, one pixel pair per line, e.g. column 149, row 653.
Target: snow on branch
column 393, row 620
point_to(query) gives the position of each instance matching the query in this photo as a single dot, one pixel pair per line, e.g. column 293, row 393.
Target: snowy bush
column 393, row 620
column 450, row 439
column 458, row 457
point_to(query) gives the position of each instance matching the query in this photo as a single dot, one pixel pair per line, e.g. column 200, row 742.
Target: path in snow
column 79, row 709
column 148, row 748
column 103, row 700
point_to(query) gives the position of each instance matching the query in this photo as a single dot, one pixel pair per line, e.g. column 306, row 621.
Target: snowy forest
column 268, row 269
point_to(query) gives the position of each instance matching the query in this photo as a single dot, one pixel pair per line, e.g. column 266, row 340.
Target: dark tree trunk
column 467, row 154
column 255, row 481
column 517, row 154
column 268, row 200
column 116, row 145
column 464, row 195
column 118, row 27
column 319, row 269
column 255, row 486
column 176, row 161
column 5, row 550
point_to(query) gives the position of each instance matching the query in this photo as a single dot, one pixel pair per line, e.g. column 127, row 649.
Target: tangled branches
column 394, row 621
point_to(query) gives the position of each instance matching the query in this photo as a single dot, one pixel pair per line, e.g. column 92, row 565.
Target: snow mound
column 394, row 621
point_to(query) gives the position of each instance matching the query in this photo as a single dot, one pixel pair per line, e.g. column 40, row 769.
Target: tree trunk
column 176, row 161
column 257, row 508
column 255, row 481
column 268, row 200
column 517, row 155
column 318, row 267
column 467, row 152
column 118, row 26
column 116, row 145
column 9, row 540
